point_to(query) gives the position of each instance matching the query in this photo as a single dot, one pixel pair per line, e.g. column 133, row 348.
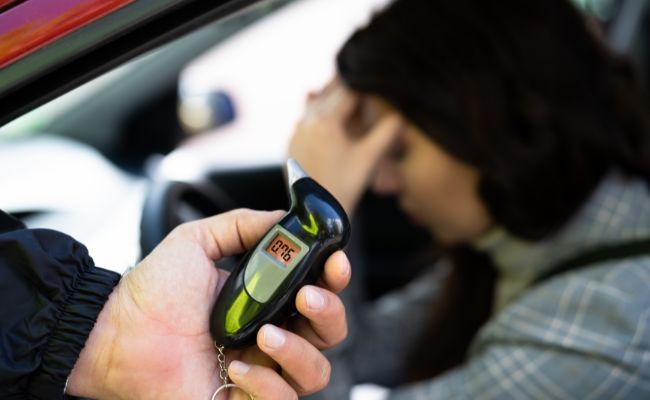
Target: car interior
column 200, row 125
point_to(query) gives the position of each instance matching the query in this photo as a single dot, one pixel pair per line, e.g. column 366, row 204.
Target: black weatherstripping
column 10, row 5
column 111, row 52
column 319, row 221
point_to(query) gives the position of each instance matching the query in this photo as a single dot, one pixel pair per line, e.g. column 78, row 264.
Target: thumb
column 232, row 232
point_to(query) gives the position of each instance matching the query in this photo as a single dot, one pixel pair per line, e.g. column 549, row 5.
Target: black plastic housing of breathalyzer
column 315, row 226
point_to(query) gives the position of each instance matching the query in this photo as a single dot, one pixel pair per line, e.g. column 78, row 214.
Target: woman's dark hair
column 521, row 90
column 524, row 92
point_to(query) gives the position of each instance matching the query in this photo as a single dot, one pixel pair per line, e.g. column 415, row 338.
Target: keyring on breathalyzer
column 223, row 375
column 262, row 288
column 229, row 386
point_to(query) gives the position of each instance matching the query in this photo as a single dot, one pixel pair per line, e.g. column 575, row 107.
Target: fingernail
column 315, row 300
column 273, row 337
column 239, row 368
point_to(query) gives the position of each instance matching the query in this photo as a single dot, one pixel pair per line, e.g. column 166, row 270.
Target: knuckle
column 321, row 379
column 182, row 229
column 334, row 339
column 337, row 306
column 342, row 335
column 336, row 329
column 287, row 394
column 340, row 321
column 324, row 378
column 310, row 119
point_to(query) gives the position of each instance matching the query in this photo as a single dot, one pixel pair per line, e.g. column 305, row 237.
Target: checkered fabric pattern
column 583, row 334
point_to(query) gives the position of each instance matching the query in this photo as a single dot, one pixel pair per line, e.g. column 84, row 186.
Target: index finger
column 344, row 102
column 336, row 102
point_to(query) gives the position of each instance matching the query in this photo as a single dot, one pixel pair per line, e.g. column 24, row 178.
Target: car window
column 66, row 165
column 80, row 163
column 69, row 114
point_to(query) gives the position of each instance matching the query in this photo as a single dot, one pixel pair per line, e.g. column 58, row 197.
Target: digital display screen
column 282, row 249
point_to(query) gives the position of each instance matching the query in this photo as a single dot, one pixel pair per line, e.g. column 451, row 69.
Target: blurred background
column 201, row 125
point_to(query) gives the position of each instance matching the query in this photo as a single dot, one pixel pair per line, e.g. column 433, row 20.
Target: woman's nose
column 387, row 179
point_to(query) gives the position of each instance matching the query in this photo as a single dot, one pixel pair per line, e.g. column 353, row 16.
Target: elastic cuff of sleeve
column 77, row 319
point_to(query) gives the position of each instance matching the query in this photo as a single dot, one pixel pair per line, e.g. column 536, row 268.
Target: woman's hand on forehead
column 338, row 145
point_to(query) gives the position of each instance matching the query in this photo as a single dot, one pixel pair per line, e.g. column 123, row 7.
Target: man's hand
column 152, row 339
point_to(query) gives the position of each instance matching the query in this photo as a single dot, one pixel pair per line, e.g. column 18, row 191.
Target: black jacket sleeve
column 50, row 297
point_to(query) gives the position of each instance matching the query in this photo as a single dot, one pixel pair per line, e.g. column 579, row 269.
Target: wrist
column 90, row 374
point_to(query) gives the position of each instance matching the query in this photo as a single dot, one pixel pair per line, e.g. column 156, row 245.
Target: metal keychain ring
column 230, row 386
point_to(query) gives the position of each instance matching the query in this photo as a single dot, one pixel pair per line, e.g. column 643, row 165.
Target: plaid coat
column 581, row 334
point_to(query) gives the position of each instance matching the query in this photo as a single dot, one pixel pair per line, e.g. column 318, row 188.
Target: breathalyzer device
column 263, row 287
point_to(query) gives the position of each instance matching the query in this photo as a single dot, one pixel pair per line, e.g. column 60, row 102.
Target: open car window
column 59, row 161
column 47, row 48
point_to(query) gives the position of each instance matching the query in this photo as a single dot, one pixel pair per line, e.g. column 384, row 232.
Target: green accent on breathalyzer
column 242, row 311
column 312, row 227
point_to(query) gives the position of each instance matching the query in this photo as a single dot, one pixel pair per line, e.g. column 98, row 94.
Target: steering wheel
column 171, row 203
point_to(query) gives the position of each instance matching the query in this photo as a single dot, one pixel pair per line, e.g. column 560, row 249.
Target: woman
column 522, row 144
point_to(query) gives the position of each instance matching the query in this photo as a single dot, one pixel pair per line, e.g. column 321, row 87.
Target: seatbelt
column 599, row 255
